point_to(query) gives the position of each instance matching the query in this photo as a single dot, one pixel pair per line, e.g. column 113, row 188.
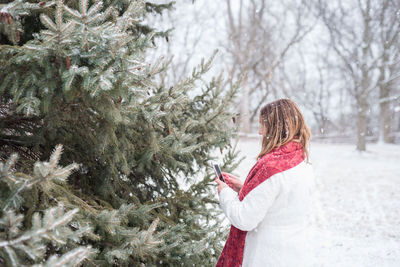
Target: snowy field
column 360, row 199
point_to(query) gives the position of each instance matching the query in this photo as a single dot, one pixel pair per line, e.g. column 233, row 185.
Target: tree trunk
column 385, row 123
column 245, row 109
column 384, row 108
column 363, row 94
column 362, row 124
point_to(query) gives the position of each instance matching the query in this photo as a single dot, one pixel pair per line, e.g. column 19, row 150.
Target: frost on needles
column 76, row 74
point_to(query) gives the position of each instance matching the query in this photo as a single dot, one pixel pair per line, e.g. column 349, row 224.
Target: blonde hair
column 282, row 122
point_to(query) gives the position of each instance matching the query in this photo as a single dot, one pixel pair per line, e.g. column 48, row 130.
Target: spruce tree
column 78, row 76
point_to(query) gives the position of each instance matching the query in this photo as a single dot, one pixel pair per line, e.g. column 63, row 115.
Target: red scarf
column 278, row 160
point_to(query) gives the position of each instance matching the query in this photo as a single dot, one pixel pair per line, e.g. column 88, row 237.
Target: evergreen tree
column 79, row 77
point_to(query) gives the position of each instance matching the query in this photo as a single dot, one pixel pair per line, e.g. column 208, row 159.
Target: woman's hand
column 221, row 184
column 232, row 181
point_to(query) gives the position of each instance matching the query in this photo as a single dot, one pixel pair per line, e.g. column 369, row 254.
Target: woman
column 270, row 215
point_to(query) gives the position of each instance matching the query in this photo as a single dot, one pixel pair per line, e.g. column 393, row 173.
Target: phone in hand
column 218, row 172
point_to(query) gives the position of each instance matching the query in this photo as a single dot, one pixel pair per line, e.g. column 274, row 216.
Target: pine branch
column 44, row 173
column 53, row 226
column 10, row 16
column 41, row 228
column 70, row 259
column 48, row 22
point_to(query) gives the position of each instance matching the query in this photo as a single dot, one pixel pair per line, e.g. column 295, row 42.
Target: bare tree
column 191, row 35
column 313, row 93
column 388, row 64
column 260, row 36
column 355, row 31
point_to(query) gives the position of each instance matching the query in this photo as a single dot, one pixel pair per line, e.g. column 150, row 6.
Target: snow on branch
column 43, row 173
column 52, row 226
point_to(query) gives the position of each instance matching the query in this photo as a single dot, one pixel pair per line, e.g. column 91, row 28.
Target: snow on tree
column 79, row 77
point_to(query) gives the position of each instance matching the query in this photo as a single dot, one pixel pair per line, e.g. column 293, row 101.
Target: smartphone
column 218, row 172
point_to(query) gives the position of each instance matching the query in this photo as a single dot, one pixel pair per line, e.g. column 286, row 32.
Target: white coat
column 278, row 216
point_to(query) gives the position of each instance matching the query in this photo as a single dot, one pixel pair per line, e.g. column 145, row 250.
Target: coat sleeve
column 248, row 213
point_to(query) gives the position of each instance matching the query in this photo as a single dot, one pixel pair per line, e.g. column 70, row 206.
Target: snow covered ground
column 360, row 199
